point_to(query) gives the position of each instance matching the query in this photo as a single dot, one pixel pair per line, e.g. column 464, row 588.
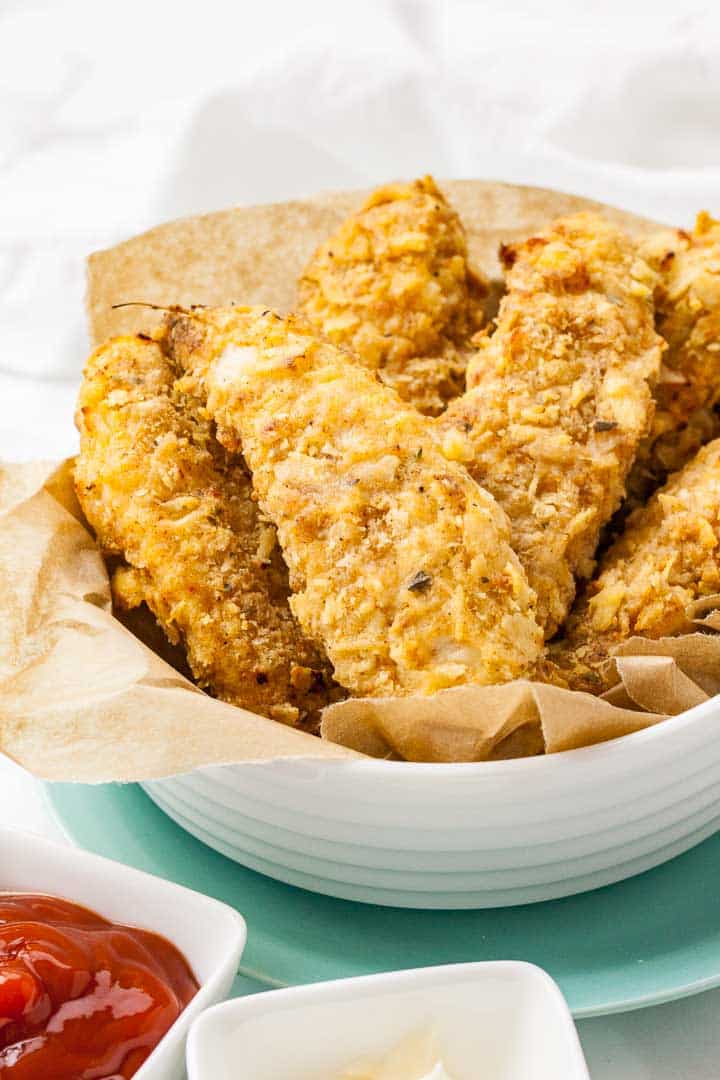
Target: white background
column 114, row 117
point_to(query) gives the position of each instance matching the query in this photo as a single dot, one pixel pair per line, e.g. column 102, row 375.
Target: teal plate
column 649, row 939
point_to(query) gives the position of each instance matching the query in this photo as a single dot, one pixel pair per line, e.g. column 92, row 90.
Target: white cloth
column 116, row 117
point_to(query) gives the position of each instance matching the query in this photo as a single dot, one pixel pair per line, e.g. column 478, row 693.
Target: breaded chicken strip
column 667, row 558
column 687, row 303
column 159, row 490
column 400, row 563
column 394, row 286
column 559, row 398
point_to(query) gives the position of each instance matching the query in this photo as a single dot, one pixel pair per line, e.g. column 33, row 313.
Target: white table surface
column 115, row 118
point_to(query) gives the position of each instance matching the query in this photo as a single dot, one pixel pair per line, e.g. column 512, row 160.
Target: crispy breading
column 687, row 303
column 667, row 558
column 559, row 398
column 159, row 490
column 401, row 565
column 394, row 286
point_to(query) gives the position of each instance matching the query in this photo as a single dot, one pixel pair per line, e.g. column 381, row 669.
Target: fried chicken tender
column 559, row 398
column 401, row 565
column 687, row 303
column 394, row 286
column 159, row 490
column 667, row 558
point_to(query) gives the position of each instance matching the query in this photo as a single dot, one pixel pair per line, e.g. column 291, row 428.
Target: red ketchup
column 82, row 998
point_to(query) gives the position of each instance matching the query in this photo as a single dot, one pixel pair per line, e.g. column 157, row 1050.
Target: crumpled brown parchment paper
column 81, row 697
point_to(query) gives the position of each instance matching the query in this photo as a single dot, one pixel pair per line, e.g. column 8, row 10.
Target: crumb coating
column 687, row 303
column 159, row 490
column 559, row 398
column 400, row 564
column 394, row 286
column 667, row 558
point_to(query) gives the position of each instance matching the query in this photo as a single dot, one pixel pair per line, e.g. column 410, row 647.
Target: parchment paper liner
column 82, row 698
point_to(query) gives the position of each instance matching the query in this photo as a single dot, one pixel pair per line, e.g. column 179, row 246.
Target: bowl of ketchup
column 81, row 996
column 102, row 968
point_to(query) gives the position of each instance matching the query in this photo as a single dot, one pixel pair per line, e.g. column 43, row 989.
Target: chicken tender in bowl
column 667, row 558
column 400, row 564
column 560, row 397
column 161, row 492
column 687, row 302
column 394, row 286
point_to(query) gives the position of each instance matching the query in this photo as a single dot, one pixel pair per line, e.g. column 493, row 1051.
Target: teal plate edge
column 650, row 939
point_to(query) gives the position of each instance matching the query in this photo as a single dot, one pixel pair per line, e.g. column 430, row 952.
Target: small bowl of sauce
column 103, row 968
column 80, row 996
column 495, row 1020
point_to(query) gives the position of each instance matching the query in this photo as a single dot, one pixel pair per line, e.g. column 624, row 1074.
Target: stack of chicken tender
column 378, row 495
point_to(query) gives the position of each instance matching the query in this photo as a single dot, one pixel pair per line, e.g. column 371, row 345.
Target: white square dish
column 493, row 1021
column 211, row 935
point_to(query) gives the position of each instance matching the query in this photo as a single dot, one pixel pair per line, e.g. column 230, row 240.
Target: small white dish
column 210, row 935
column 496, row 1021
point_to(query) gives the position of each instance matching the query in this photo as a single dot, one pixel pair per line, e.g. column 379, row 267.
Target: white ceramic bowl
column 211, row 935
column 463, row 836
column 501, row 1021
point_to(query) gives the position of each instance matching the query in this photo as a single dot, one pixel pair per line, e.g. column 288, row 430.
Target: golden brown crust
column 687, row 302
column 160, row 490
column 667, row 558
column 559, row 398
column 400, row 564
column 394, row 286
